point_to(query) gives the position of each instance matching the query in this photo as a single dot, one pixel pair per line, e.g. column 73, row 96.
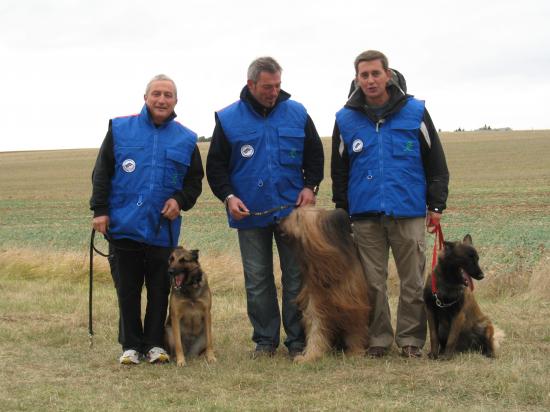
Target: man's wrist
column 226, row 200
column 313, row 188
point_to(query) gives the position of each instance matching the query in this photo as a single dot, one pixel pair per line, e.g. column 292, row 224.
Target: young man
column 148, row 169
column 389, row 171
column 266, row 157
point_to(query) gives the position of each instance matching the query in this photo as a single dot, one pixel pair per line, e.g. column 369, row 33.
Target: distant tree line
column 486, row 127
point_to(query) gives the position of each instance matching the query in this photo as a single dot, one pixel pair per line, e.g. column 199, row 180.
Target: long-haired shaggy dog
column 455, row 320
column 334, row 295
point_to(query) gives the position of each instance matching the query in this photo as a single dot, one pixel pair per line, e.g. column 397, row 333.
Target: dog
column 188, row 330
column 334, row 295
column 455, row 321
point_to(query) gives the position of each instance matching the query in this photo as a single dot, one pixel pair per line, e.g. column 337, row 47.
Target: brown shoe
column 411, row 352
column 376, row 352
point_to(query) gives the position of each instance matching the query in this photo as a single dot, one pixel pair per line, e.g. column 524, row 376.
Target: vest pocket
column 175, row 168
column 291, row 146
column 405, row 141
column 255, row 192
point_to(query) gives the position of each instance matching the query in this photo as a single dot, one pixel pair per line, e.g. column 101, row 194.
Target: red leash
column 438, row 245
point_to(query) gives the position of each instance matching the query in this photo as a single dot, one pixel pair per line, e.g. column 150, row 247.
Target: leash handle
column 90, row 289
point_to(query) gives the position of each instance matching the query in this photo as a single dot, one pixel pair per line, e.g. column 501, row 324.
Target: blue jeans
column 262, row 306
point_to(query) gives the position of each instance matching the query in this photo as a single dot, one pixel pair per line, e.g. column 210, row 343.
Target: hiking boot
column 157, row 355
column 376, row 352
column 411, row 352
column 129, row 357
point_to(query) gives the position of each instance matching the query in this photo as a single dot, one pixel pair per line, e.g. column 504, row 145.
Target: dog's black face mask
column 464, row 256
column 184, row 269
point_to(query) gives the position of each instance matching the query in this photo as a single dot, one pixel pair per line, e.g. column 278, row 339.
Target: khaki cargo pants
column 406, row 237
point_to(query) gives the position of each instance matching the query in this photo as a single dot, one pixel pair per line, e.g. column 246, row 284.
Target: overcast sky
column 67, row 66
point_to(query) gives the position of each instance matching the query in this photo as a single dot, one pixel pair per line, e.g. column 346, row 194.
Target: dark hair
column 371, row 55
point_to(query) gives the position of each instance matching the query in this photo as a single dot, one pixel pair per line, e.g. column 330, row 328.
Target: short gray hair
column 157, row 78
column 263, row 64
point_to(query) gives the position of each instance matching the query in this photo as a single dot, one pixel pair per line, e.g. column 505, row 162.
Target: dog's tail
column 498, row 337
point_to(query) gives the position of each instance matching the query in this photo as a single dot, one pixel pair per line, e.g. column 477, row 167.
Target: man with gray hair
column 266, row 158
column 147, row 171
column 389, row 172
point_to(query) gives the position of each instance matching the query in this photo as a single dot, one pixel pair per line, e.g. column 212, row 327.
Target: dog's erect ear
column 195, row 254
column 467, row 240
column 448, row 245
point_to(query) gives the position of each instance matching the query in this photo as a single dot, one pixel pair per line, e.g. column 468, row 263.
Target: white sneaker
column 129, row 357
column 157, row 355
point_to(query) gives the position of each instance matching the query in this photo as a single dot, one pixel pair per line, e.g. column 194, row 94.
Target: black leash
column 107, row 255
column 272, row 210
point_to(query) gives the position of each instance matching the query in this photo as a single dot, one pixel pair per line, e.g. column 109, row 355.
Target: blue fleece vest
column 266, row 158
column 386, row 174
column 150, row 165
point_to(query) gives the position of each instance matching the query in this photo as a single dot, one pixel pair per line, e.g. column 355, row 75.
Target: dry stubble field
column 500, row 193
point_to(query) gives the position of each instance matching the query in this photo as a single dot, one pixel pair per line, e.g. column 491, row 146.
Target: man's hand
column 101, row 224
column 171, row 209
column 432, row 220
column 237, row 209
column 306, row 197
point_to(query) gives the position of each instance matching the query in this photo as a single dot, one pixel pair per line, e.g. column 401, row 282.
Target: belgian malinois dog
column 455, row 320
column 189, row 323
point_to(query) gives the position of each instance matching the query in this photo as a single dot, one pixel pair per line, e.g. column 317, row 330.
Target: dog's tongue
column 179, row 279
column 467, row 279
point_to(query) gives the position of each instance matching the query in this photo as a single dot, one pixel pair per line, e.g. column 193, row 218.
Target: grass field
column 500, row 193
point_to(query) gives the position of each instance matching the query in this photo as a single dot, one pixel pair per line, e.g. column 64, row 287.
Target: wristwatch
column 314, row 189
column 227, row 199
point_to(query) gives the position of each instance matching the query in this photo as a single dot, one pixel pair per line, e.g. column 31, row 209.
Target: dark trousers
column 134, row 264
column 262, row 306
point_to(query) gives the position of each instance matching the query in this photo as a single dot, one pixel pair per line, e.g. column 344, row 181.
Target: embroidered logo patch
column 408, row 146
column 129, row 165
column 357, row 145
column 247, row 150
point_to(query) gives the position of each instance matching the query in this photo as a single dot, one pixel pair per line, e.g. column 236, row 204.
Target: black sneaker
column 292, row 353
column 263, row 353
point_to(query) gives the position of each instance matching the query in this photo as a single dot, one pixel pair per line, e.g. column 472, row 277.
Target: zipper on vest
column 381, row 163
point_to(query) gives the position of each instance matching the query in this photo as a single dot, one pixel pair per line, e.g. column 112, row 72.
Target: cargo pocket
column 175, row 168
column 291, row 146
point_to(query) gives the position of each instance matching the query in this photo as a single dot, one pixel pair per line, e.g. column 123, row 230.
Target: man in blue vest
column 265, row 158
column 147, row 171
column 389, row 171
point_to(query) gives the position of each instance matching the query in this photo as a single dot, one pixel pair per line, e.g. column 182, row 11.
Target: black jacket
column 433, row 157
column 105, row 168
column 217, row 162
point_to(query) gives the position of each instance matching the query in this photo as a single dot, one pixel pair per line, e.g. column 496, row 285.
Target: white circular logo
column 247, row 150
column 357, row 145
column 129, row 165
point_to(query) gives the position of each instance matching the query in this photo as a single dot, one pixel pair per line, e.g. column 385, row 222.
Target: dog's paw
column 299, row 359
column 446, row 357
column 210, row 358
column 433, row 356
column 180, row 362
